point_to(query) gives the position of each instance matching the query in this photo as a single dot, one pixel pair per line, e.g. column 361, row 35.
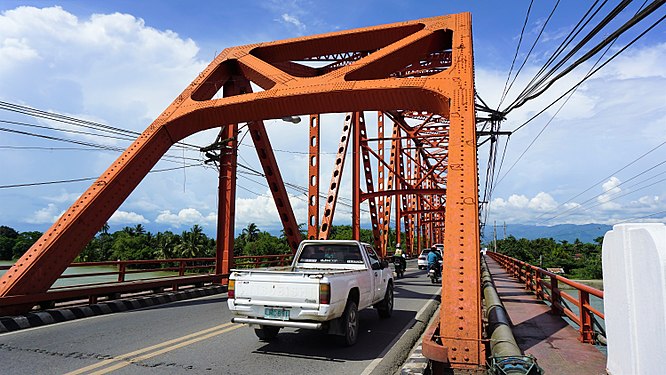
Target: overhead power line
column 168, row 157
column 53, row 116
column 520, row 40
column 88, row 178
column 541, row 85
column 595, row 184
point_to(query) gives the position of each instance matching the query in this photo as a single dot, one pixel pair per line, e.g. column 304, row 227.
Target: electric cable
column 595, row 184
column 520, row 40
column 34, row 112
column 582, row 205
column 543, row 27
column 582, row 23
column 86, row 178
column 537, row 90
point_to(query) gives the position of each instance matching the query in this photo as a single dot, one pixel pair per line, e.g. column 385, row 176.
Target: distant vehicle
column 325, row 287
column 423, row 258
column 440, row 247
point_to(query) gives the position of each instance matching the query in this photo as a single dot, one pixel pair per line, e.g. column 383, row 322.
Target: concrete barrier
column 634, row 269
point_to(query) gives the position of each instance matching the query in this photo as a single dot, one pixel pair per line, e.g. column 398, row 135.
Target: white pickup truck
column 326, row 285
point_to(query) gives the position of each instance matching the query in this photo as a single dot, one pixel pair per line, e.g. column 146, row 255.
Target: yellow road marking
column 162, row 351
column 122, row 357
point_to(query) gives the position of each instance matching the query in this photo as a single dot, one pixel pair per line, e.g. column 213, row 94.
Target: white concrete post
column 634, row 269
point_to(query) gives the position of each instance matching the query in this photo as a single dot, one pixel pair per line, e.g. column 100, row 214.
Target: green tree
column 193, row 244
column 165, row 245
column 251, row 232
column 8, row 238
column 266, row 244
column 128, row 245
column 23, row 243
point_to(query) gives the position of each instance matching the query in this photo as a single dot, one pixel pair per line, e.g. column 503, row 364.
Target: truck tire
column 385, row 308
column 266, row 333
column 350, row 323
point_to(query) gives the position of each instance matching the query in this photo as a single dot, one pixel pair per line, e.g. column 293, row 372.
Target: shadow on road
column 374, row 336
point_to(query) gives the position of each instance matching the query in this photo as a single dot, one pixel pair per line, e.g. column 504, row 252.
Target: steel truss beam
column 416, row 71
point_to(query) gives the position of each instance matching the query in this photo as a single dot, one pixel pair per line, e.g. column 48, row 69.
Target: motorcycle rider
column 400, row 255
column 433, row 260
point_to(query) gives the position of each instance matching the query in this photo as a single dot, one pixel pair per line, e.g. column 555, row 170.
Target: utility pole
column 505, row 230
column 222, row 154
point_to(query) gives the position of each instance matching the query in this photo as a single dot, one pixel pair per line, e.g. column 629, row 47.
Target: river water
column 96, row 279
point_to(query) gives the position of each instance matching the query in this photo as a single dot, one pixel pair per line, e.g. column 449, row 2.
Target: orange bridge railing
column 547, row 286
column 113, row 279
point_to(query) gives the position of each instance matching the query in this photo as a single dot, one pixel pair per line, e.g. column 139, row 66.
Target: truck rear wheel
column 350, row 323
column 385, row 308
column 266, row 333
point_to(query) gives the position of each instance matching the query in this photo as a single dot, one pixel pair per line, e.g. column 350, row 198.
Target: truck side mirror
column 376, row 266
column 384, row 264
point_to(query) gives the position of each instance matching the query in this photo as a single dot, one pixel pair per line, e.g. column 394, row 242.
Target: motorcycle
column 434, row 272
column 399, row 267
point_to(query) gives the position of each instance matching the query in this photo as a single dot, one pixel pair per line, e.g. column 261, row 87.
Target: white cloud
column 52, row 44
column 640, row 63
column 124, row 217
column 293, row 20
column 185, row 217
column 262, row 211
column 611, row 190
column 46, row 215
column 542, row 202
column 64, row 197
column 15, row 51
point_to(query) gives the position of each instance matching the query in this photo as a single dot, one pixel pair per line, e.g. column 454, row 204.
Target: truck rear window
column 331, row 254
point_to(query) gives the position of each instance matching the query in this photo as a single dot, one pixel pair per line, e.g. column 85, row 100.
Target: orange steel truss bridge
column 417, row 77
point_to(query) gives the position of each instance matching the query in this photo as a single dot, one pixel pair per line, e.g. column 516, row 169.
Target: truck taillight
column 324, row 294
column 231, row 289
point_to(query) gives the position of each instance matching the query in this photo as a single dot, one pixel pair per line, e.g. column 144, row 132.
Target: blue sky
column 123, row 62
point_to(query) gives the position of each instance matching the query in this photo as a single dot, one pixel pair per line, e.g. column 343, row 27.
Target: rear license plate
column 276, row 313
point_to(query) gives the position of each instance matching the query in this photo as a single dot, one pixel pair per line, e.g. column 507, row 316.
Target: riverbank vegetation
column 578, row 260
column 135, row 243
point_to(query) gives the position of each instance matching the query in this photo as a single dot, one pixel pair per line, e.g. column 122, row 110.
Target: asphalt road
column 196, row 337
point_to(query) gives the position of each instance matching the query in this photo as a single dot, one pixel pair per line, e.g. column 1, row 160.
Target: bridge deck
column 546, row 336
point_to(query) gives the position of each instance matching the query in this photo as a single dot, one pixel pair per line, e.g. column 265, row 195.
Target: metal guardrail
column 188, row 272
column 545, row 285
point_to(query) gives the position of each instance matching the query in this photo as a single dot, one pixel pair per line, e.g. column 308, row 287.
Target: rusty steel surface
column 417, row 74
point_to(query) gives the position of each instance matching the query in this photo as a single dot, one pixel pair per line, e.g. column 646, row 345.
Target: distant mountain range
column 569, row 232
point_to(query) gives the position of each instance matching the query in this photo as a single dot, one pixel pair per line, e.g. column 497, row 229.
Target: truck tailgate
column 291, row 288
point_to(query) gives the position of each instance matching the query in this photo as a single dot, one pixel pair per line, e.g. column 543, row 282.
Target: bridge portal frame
column 360, row 81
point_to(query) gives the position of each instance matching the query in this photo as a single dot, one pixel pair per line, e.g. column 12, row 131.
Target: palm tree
column 193, row 243
column 105, row 228
column 251, row 232
column 139, row 230
column 165, row 245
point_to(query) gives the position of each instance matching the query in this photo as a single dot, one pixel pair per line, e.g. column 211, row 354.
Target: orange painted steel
column 314, row 151
column 544, row 284
column 334, row 187
column 369, row 184
column 418, row 73
column 275, row 183
column 383, row 226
